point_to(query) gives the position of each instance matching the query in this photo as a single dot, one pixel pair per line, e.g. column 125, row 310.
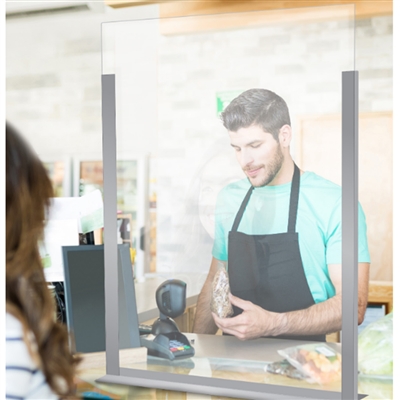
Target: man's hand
column 252, row 323
column 321, row 318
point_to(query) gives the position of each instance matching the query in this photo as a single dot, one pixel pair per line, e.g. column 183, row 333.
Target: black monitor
column 85, row 300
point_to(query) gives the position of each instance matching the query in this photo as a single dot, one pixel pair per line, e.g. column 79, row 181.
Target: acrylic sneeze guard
column 164, row 84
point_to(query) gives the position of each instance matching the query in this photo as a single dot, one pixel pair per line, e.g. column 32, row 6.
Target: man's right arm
column 203, row 320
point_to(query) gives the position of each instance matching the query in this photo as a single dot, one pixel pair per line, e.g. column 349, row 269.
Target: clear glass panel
column 374, row 60
column 174, row 77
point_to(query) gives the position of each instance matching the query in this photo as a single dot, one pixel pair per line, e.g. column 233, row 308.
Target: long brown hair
column 28, row 194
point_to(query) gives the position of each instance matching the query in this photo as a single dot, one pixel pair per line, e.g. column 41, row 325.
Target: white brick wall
column 53, row 69
column 53, row 79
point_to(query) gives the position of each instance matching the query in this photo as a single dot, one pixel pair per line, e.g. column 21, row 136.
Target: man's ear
column 285, row 135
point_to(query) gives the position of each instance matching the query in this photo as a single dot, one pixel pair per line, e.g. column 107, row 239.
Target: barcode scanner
column 171, row 301
column 169, row 342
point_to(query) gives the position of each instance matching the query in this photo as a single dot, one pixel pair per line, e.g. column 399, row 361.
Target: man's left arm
column 326, row 317
column 321, row 318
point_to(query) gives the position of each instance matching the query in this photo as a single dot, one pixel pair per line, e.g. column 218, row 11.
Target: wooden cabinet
column 318, row 149
column 379, row 293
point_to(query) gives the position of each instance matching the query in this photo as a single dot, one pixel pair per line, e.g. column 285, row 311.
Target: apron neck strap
column 241, row 210
column 294, row 200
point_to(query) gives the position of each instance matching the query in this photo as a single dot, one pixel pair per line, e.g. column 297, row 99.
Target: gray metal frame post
column 349, row 234
column 110, row 223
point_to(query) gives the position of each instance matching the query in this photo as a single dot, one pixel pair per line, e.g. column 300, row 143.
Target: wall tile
column 26, row 82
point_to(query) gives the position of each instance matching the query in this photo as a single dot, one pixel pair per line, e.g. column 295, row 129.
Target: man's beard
column 273, row 167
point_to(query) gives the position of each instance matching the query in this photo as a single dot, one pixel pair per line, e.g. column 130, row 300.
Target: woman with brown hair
column 39, row 364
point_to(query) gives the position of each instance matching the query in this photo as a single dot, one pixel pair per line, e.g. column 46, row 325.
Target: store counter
column 222, row 357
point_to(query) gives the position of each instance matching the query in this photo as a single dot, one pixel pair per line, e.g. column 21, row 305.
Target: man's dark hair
column 257, row 107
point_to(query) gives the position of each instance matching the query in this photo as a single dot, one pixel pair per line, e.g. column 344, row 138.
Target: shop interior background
column 53, row 94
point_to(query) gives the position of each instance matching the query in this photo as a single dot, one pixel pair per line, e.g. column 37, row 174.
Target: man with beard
column 278, row 234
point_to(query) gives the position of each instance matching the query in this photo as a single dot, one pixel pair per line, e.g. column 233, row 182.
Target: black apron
column 267, row 269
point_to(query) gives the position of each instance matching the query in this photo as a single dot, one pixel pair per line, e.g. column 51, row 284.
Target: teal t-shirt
column 318, row 224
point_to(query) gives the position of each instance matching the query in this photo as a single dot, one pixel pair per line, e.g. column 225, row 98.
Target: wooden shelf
column 178, row 8
column 270, row 11
column 133, row 3
column 381, row 292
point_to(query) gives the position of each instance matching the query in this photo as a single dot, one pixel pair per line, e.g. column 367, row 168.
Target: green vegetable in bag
column 375, row 347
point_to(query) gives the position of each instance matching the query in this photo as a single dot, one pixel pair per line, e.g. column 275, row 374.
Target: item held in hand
column 220, row 303
column 319, row 362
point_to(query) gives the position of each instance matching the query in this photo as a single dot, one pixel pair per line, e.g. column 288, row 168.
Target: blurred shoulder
column 13, row 324
column 17, row 341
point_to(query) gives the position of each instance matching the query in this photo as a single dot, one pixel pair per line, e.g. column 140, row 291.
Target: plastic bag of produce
column 375, row 347
column 317, row 361
column 283, row 367
column 220, row 303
